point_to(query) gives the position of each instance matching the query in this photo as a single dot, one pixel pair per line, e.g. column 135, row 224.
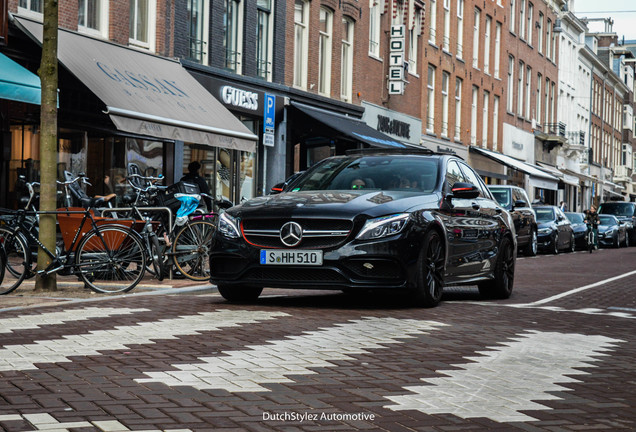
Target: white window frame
column 414, row 42
column 538, row 103
column 203, row 20
column 548, row 38
column 530, row 16
column 301, row 48
column 513, row 16
column 487, row 31
column 235, row 37
column 511, row 85
column 486, row 117
column 102, row 26
column 540, row 32
column 346, row 59
column 152, row 23
column 497, row 49
column 445, row 85
column 269, row 55
column 325, row 51
column 26, row 10
column 495, row 122
column 446, row 37
column 473, row 116
column 520, row 89
column 459, row 83
column 460, row 29
column 430, row 84
column 477, row 18
column 432, row 25
column 522, row 19
column 375, row 15
column 527, row 113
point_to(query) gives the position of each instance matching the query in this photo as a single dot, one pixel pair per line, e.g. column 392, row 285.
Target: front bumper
column 607, row 239
column 545, row 241
column 386, row 263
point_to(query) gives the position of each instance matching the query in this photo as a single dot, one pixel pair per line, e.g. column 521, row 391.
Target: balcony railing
column 196, row 49
column 622, row 173
column 556, row 129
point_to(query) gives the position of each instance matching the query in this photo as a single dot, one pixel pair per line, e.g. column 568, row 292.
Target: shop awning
column 18, row 83
column 352, row 127
column 538, row 178
column 147, row 94
column 565, row 178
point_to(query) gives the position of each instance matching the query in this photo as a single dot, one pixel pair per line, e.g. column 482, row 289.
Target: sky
column 623, row 12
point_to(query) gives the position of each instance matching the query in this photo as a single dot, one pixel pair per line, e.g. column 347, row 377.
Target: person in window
column 358, row 184
column 193, row 177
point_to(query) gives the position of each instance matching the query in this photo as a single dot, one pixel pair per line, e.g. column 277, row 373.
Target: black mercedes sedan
column 372, row 219
column 555, row 230
column 579, row 228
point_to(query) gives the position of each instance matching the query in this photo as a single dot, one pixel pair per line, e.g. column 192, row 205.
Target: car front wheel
column 531, row 247
column 238, row 293
column 555, row 245
column 430, row 274
column 572, row 244
column 504, row 274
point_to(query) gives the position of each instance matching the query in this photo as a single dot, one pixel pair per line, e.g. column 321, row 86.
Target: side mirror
column 520, row 203
column 224, row 204
column 277, row 188
column 464, row 191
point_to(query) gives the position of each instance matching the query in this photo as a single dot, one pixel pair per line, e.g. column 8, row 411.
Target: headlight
column 611, row 231
column 383, row 226
column 544, row 231
column 228, row 226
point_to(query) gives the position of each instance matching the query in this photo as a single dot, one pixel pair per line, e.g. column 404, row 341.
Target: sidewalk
column 69, row 289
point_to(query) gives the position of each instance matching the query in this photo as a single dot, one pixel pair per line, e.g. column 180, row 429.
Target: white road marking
column 24, row 357
column 46, row 422
column 23, row 322
column 273, row 362
column 507, row 380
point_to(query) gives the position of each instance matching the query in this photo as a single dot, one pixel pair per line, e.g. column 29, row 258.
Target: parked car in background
column 611, row 232
column 579, row 227
column 625, row 212
column 374, row 219
column 555, row 230
column 515, row 200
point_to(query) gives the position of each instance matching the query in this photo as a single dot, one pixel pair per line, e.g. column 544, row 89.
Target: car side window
column 473, row 178
column 516, row 196
column 453, row 174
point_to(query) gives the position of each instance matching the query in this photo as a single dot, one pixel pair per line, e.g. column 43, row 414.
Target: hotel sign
column 396, row 59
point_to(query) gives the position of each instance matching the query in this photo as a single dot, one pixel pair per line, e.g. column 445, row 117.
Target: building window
column 142, row 23
column 548, row 38
column 374, row 28
column 553, row 48
column 486, row 117
column 445, row 84
column 414, row 41
column 495, row 122
column 546, row 104
column 511, row 79
column 446, row 41
column 513, row 16
column 233, row 23
column 31, row 7
column 520, row 90
column 301, row 17
column 460, row 28
column 346, row 60
column 430, row 118
column 487, row 45
column 540, row 33
column 530, row 29
column 528, row 91
column 538, row 102
column 476, row 39
column 522, row 19
column 93, row 17
column 552, row 107
column 458, row 109
column 473, row 117
column 324, row 51
column 432, row 25
column 497, row 48
column 197, row 19
column 264, row 38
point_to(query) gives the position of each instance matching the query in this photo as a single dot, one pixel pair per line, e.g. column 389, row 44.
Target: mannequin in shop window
column 193, row 177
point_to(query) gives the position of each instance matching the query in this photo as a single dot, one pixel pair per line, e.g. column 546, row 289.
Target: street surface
column 557, row 356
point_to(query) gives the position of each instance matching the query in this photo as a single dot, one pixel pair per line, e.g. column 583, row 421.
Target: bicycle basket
column 167, row 198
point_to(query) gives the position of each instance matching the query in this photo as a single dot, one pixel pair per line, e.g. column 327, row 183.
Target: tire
column 237, row 293
column 531, row 247
column 114, row 265
column 429, row 284
column 504, row 274
column 555, row 245
column 18, row 265
column 191, row 250
column 155, row 256
column 572, row 244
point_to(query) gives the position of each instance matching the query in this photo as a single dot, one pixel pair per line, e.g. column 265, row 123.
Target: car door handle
column 476, row 206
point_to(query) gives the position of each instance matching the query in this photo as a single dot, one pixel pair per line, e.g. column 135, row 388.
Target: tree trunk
column 48, row 141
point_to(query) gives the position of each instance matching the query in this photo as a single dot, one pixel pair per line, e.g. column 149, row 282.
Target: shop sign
column 396, row 59
column 269, row 120
column 397, row 125
column 239, row 98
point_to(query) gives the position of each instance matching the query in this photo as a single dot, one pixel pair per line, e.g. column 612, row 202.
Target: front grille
column 301, row 275
column 317, row 233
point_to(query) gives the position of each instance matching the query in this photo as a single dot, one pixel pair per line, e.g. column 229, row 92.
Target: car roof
column 398, row 152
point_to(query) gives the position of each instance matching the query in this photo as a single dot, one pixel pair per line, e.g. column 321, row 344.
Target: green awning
column 18, row 83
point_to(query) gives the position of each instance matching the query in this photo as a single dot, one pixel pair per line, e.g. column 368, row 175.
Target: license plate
column 291, row 257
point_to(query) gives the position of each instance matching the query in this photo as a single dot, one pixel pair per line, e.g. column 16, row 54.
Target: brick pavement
column 315, row 361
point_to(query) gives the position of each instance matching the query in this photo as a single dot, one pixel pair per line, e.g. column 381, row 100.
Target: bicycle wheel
column 155, row 255
column 18, row 260
column 191, row 248
column 111, row 259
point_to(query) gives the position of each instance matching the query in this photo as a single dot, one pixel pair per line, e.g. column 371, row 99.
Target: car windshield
column 575, row 218
column 544, row 214
column 617, row 209
column 380, row 172
column 607, row 220
column 502, row 196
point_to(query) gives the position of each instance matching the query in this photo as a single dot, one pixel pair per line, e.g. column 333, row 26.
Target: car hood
column 604, row 228
column 579, row 227
column 550, row 224
column 342, row 204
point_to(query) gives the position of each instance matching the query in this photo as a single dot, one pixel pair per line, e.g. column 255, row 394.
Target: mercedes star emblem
column 291, row 234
